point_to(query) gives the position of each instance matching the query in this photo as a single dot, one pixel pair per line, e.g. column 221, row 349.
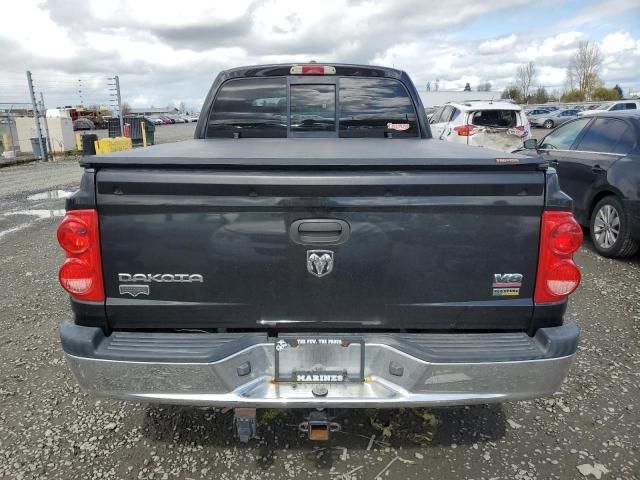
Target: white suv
column 614, row 106
column 497, row 125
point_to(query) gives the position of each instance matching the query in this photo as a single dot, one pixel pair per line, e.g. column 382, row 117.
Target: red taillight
column 312, row 70
column 81, row 273
column 558, row 276
column 465, row 130
column 73, row 235
column 566, row 237
column 76, row 276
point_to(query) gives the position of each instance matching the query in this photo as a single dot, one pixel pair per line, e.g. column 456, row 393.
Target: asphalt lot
column 49, row 429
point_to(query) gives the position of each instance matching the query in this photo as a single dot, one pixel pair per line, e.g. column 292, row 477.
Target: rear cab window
column 313, row 108
column 252, row 107
column 349, row 107
column 371, row 107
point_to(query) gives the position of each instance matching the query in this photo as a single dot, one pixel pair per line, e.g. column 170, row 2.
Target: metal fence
column 41, row 112
column 17, row 127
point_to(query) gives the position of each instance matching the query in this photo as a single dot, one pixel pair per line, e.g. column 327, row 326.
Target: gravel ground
column 49, row 429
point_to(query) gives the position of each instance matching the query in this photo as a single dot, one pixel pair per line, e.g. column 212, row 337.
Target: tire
column 610, row 231
column 548, row 124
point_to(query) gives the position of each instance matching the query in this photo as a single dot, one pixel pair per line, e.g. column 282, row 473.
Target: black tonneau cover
column 317, row 152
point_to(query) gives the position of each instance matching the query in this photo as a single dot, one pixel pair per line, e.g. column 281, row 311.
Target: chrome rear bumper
column 131, row 367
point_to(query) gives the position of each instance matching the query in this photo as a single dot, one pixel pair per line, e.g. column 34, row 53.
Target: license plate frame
column 288, row 370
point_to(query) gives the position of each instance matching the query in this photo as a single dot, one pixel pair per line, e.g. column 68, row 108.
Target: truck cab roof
column 341, row 69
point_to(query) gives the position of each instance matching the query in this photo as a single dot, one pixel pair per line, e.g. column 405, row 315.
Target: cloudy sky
column 169, row 51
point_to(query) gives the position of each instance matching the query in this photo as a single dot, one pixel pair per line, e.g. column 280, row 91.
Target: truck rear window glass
column 252, row 107
column 494, row 118
column 370, row 107
column 313, row 108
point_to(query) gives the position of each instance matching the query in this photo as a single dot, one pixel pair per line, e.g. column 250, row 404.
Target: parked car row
column 552, row 119
column 614, row 107
column 170, row 119
column 551, row 116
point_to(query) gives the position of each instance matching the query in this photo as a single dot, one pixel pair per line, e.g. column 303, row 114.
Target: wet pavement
column 21, row 213
column 49, row 429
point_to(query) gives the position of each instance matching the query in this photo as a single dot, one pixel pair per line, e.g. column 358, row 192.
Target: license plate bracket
column 319, row 359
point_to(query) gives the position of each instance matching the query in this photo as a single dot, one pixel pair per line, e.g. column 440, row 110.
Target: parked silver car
column 534, row 113
column 553, row 119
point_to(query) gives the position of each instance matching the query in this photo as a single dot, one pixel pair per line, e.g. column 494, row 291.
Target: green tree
column 604, row 93
column 540, row 95
column 467, row 87
column 619, row 90
column 573, row 95
column 512, row 92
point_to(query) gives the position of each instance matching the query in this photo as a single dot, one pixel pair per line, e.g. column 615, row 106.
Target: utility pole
column 80, row 91
column 36, row 115
column 119, row 105
column 46, row 127
column 116, row 84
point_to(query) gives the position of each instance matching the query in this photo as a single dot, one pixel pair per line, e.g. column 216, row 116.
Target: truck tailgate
column 407, row 248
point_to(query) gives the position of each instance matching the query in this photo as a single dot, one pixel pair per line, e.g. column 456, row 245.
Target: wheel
column 548, row 124
column 610, row 229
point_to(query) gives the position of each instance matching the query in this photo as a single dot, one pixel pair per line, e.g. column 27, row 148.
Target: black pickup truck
column 313, row 247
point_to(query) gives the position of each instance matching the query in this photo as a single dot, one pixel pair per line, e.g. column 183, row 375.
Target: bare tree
column 126, row 108
column 584, row 68
column 484, row 87
column 525, row 76
column 570, row 79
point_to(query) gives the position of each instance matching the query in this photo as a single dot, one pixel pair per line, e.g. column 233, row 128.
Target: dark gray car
column 553, row 119
column 597, row 159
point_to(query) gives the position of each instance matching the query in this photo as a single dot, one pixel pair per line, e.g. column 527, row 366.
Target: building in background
column 151, row 111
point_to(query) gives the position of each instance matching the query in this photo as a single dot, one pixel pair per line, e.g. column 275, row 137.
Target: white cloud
column 163, row 50
column 497, row 45
column 32, row 27
column 561, row 46
column 619, row 42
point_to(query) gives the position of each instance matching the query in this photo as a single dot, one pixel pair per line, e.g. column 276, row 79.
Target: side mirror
column 530, row 143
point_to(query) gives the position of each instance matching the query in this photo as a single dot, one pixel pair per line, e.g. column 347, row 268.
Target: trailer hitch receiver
column 319, row 426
